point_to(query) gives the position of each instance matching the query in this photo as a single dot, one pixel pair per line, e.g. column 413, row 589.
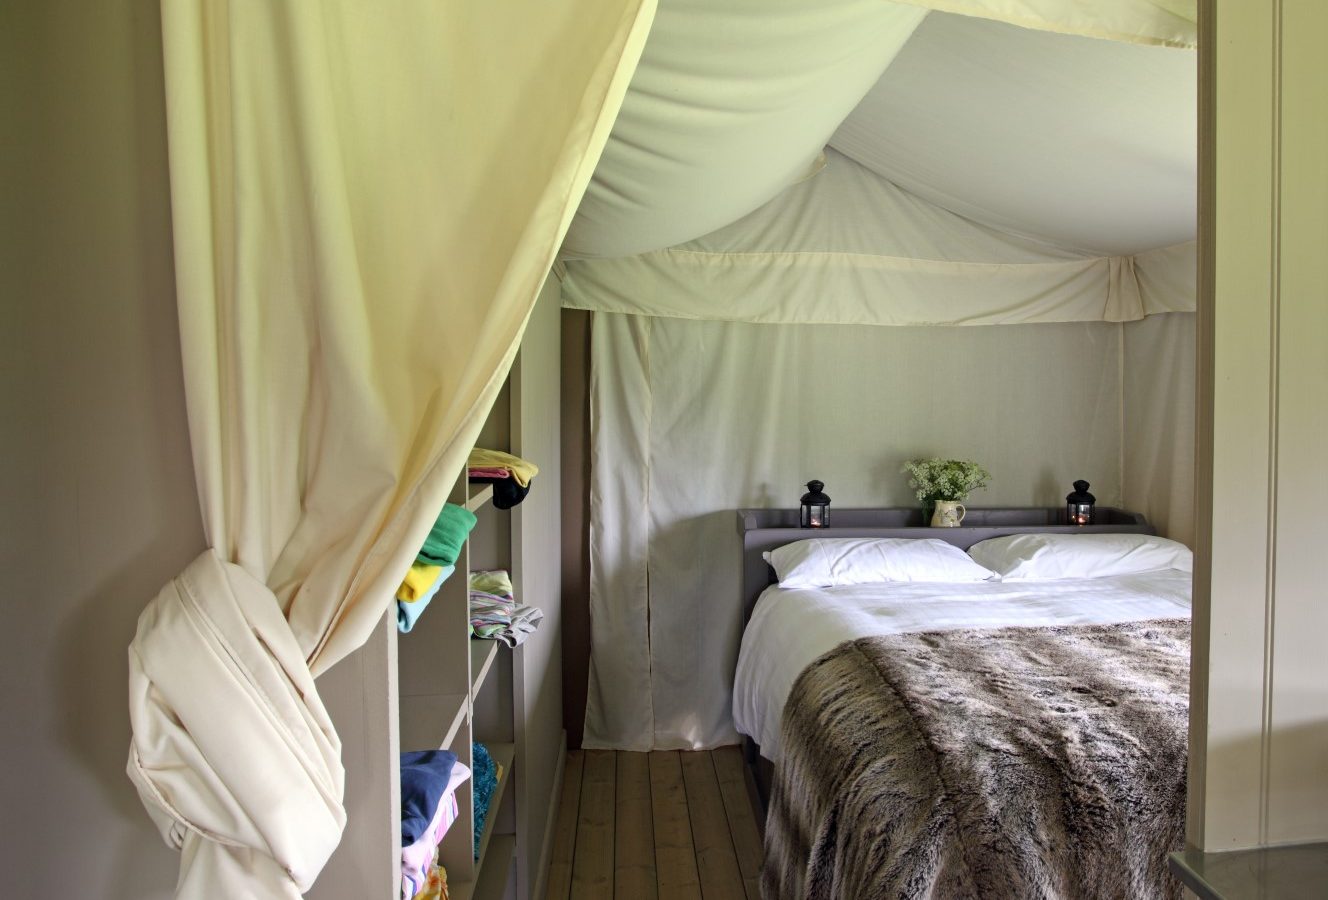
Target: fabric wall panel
column 1167, row 278
column 1158, row 427
column 849, row 247
column 619, row 699
column 740, row 415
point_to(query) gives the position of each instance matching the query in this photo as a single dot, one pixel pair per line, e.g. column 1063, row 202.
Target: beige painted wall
column 1259, row 716
column 97, row 488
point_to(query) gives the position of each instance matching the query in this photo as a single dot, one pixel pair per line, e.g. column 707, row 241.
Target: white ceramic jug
column 948, row 514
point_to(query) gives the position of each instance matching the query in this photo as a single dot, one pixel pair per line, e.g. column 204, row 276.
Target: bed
column 971, row 738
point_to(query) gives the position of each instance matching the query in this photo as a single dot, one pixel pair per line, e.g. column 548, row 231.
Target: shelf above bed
column 1039, row 518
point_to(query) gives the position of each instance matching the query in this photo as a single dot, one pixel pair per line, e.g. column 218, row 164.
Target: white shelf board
column 505, row 754
column 475, row 501
column 492, row 883
column 482, row 653
column 430, row 721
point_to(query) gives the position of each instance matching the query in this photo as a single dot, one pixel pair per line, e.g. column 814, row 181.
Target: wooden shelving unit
column 438, row 687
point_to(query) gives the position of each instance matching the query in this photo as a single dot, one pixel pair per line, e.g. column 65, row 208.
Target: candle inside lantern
column 1079, row 505
column 815, row 507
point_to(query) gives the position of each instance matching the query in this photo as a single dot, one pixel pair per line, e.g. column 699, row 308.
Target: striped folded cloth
column 494, row 612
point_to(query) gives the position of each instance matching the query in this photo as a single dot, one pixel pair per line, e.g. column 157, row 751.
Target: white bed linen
column 791, row 628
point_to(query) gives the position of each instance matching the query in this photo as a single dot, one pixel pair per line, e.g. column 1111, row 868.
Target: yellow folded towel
column 522, row 470
column 417, row 582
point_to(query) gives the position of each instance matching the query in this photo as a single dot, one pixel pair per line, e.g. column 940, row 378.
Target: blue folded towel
column 485, row 774
column 424, row 777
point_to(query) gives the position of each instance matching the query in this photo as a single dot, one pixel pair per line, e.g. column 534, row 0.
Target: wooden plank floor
column 667, row 825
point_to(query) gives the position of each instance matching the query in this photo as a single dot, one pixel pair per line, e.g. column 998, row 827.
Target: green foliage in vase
column 945, row 479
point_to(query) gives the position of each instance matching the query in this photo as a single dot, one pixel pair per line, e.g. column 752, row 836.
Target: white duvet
column 791, row 628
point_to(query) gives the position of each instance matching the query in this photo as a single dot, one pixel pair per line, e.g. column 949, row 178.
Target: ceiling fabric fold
column 1083, row 143
column 732, row 104
column 849, row 247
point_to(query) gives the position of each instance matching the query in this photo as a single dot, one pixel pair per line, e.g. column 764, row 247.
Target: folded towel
column 495, row 614
column 486, row 780
column 443, row 545
column 492, row 581
column 420, row 580
column 522, row 470
column 409, row 611
column 419, row 859
column 525, row 619
column 436, row 886
column 424, row 778
column 488, row 472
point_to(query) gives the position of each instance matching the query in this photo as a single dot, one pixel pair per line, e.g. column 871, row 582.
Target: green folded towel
column 443, row 545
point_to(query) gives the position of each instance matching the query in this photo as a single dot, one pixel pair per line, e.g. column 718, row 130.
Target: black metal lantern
column 815, row 507
column 1079, row 505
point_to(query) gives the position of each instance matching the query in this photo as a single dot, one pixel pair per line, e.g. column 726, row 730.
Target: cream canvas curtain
column 691, row 420
column 366, row 200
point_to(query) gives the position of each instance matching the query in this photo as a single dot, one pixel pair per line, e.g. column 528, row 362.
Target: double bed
column 974, row 738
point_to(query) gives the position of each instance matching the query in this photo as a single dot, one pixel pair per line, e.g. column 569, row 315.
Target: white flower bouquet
column 945, row 479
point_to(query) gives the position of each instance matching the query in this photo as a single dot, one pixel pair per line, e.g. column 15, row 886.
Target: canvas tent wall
column 1034, row 185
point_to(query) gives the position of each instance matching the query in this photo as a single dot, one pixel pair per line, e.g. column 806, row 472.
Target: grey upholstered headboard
column 766, row 529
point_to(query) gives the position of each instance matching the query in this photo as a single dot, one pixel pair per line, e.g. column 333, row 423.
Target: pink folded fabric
column 418, row 857
column 489, row 472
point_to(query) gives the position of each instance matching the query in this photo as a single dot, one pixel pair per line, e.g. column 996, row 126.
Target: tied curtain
column 366, row 200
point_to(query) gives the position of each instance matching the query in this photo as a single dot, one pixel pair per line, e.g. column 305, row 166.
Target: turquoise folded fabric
column 443, row 545
column 485, row 781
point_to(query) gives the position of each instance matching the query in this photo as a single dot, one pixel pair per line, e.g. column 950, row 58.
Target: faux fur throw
column 988, row 763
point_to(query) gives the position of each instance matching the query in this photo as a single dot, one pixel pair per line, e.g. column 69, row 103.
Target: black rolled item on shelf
column 507, row 493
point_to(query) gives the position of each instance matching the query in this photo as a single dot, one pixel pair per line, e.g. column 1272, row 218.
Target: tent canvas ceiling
column 1078, row 142
column 1074, row 141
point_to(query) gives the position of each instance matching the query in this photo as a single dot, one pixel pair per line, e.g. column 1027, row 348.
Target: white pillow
column 1047, row 557
column 826, row 562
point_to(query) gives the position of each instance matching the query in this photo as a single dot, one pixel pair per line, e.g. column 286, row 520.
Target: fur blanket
column 987, row 763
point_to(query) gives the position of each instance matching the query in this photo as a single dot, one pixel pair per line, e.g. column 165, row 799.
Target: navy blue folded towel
column 424, row 777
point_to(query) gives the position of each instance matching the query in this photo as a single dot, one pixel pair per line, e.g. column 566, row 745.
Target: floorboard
column 563, row 849
column 666, row 825
column 731, row 772
column 716, row 861
column 634, row 843
column 592, row 868
column 675, row 857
